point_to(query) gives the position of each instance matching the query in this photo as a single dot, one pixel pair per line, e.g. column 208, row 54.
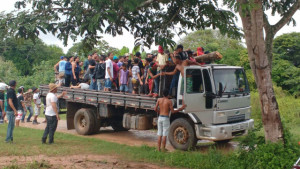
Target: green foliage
column 123, row 51
column 286, row 75
column 26, row 53
column 8, row 71
column 149, row 21
column 102, row 47
column 289, row 107
column 256, row 153
column 287, row 47
column 43, row 74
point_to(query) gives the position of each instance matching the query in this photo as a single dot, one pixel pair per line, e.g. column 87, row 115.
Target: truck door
column 193, row 92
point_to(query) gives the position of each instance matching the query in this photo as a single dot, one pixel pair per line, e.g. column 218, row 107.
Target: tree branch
column 147, row 3
column 267, row 25
column 286, row 17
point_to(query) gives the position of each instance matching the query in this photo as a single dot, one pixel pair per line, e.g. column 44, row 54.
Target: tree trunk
column 254, row 35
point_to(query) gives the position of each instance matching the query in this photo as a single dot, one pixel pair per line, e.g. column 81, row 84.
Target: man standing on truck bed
column 165, row 106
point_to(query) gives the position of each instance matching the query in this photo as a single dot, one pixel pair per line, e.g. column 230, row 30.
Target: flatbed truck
column 217, row 99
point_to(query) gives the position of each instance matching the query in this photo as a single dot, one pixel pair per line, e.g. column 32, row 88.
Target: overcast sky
column 127, row 39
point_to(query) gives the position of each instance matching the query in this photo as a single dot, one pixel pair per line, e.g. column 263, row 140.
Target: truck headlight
column 221, row 114
column 248, row 110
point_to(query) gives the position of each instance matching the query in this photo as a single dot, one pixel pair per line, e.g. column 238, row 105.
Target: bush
column 255, row 153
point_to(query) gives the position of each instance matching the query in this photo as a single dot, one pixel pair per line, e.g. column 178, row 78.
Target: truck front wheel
column 84, row 121
column 182, row 134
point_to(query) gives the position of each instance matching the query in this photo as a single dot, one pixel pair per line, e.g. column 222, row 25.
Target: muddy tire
column 84, row 121
column 97, row 122
column 223, row 141
column 117, row 125
column 182, row 135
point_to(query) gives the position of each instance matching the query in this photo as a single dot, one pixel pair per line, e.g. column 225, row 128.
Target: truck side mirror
column 220, row 93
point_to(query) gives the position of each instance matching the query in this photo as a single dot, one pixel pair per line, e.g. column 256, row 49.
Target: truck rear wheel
column 182, row 135
column 97, row 122
column 84, row 121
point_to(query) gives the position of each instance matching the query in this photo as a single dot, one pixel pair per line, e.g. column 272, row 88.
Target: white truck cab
column 217, row 99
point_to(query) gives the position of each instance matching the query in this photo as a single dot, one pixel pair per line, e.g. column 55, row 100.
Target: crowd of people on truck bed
column 129, row 73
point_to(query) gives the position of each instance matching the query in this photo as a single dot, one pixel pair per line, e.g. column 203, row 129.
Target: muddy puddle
column 134, row 137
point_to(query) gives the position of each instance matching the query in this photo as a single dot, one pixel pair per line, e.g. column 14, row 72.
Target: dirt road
column 131, row 137
column 74, row 161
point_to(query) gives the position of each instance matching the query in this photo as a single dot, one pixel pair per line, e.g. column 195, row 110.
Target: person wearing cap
column 37, row 104
column 3, row 88
column 27, row 101
column 51, row 113
column 116, row 72
column 11, row 111
column 60, row 66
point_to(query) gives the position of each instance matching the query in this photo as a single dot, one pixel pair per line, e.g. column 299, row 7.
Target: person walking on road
column 28, row 100
column 165, row 106
column 11, row 111
column 21, row 106
column 51, row 113
column 37, row 104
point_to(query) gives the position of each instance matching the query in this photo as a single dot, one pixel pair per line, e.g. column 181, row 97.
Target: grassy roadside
column 28, row 143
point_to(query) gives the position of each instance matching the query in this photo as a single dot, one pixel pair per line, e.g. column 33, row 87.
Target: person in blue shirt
column 68, row 71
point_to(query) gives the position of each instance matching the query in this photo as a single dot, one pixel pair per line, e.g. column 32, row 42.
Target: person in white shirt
column 51, row 113
column 83, row 85
column 109, row 73
column 37, row 104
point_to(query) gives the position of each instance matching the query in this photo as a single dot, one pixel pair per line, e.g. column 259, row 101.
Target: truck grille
column 236, row 118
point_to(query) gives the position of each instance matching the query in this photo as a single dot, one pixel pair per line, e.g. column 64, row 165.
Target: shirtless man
column 180, row 64
column 165, row 106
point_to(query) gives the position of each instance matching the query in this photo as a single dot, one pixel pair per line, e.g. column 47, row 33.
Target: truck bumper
column 223, row 131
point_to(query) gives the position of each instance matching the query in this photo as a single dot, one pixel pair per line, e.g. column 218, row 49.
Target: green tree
column 8, row 71
column 259, row 35
column 213, row 40
column 26, row 53
column 150, row 21
column 287, row 46
column 286, row 75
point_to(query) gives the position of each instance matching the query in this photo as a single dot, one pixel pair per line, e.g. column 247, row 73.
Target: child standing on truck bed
column 165, row 106
column 123, row 78
column 136, row 78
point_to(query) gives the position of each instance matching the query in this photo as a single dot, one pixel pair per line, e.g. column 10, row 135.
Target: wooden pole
column 209, row 57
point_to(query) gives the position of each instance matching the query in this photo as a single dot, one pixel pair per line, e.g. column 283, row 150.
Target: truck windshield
column 233, row 81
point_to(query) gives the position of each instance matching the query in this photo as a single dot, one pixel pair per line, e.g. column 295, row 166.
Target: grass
column 289, row 109
column 66, row 144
